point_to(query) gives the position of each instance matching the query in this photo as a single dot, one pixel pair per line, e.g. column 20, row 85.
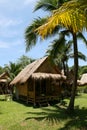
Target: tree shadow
column 2, row 100
column 48, row 114
column 23, row 103
column 76, row 119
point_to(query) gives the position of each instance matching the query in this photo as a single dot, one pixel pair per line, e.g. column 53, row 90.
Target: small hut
column 83, row 80
column 38, row 82
column 4, row 83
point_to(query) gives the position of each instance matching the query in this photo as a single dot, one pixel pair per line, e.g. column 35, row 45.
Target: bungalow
column 4, row 83
column 39, row 82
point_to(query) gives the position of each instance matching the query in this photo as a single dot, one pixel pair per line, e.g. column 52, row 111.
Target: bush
column 85, row 89
column 82, row 89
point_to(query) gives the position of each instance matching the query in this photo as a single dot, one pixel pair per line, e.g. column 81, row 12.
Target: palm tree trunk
column 74, row 87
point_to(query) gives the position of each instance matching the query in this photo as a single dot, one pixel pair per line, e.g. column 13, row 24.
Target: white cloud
column 27, row 2
column 3, row 45
column 9, row 27
column 6, row 22
column 8, row 33
column 10, row 44
column 17, row 42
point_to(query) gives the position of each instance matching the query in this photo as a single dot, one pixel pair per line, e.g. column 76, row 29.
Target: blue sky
column 15, row 16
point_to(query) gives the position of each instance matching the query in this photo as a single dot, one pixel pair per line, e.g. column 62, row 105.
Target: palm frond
column 80, row 56
column 71, row 15
column 56, row 46
column 30, row 35
column 46, row 5
column 82, row 37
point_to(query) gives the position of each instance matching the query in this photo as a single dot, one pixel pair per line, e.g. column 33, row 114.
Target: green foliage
column 59, row 51
column 82, row 70
column 71, row 15
column 31, row 36
column 1, row 70
column 46, row 5
column 13, row 69
column 49, row 5
column 82, row 89
column 24, row 60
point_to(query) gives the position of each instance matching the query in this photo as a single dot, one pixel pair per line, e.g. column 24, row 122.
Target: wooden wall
column 47, row 67
column 22, row 89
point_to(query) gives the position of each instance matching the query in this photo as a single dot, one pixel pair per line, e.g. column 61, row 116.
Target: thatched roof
column 4, row 78
column 83, row 80
column 29, row 71
column 3, row 81
column 47, row 75
column 4, row 75
column 24, row 75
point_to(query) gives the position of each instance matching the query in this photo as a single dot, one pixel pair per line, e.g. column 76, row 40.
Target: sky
column 15, row 16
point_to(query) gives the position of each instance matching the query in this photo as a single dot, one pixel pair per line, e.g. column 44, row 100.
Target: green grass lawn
column 17, row 116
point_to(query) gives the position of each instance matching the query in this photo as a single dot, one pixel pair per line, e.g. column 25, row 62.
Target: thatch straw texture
column 4, row 75
column 4, row 78
column 3, row 81
column 24, row 75
column 83, row 80
column 47, row 76
column 31, row 70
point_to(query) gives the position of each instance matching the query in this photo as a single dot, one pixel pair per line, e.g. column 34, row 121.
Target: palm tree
column 24, row 61
column 60, row 50
column 31, row 36
column 72, row 16
column 47, row 5
column 13, row 69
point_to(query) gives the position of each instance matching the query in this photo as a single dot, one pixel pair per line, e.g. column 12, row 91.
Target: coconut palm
column 47, row 5
column 60, row 50
column 13, row 69
column 72, row 16
column 31, row 36
column 24, row 61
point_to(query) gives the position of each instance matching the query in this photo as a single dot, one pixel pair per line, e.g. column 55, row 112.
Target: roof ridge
column 28, row 70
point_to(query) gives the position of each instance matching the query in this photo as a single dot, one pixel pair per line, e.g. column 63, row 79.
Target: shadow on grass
column 2, row 100
column 23, row 103
column 77, row 119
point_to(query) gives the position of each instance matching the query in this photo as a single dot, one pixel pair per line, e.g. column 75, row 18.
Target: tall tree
column 72, row 16
column 60, row 50
column 31, row 36
column 13, row 69
column 47, row 5
column 24, row 60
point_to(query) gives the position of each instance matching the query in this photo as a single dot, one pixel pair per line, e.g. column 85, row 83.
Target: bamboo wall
column 53, row 88
column 46, row 67
column 22, row 89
